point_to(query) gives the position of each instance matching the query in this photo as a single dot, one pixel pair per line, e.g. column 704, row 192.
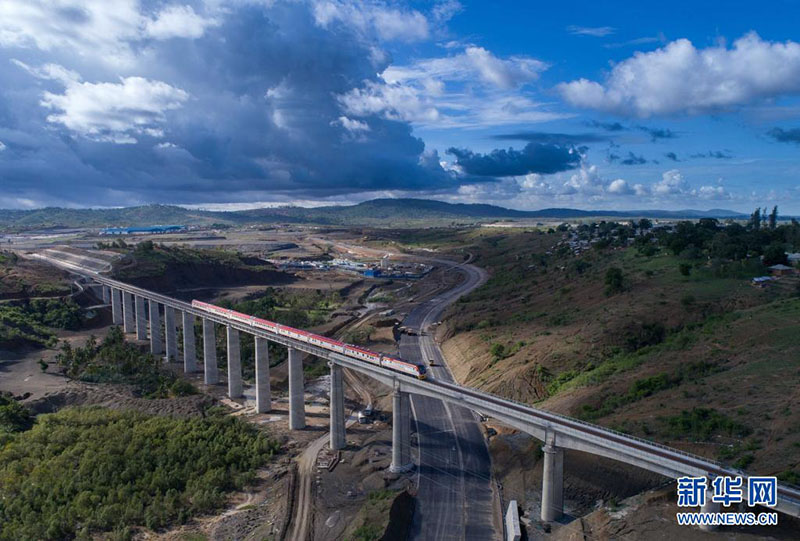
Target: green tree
column 84, row 471
column 775, row 254
column 614, row 280
column 773, row 217
column 755, row 219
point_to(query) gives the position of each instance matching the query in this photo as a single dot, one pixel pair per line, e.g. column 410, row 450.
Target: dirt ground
column 651, row 515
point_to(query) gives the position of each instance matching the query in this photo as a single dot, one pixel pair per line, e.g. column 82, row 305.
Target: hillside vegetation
column 377, row 212
column 662, row 336
column 113, row 360
column 23, row 278
column 35, row 322
column 83, row 471
column 167, row 268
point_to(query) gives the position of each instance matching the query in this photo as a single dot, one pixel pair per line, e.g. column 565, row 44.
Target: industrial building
column 149, row 230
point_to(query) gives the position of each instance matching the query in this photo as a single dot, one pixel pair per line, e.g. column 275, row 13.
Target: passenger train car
column 392, row 363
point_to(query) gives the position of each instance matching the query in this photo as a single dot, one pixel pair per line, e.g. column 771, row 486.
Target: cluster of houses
column 582, row 237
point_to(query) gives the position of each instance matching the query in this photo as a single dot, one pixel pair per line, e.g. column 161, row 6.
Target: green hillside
column 377, row 212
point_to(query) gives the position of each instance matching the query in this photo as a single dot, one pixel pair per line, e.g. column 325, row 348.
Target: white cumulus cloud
column 178, row 22
column 679, row 78
column 114, row 112
column 713, row 192
column 373, row 18
column 351, row 125
column 472, row 88
column 95, row 29
column 671, row 183
column 472, row 63
column 620, row 187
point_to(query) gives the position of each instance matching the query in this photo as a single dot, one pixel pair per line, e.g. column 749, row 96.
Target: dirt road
column 304, row 502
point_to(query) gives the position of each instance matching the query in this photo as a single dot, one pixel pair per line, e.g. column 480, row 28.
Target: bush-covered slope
column 87, row 470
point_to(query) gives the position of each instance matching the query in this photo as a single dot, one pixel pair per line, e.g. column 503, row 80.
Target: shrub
column 33, row 322
column 646, row 334
column 685, row 269
column 116, row 361
column 14, row 417
column 614, row 280
column 498, row 351
column 702, row 423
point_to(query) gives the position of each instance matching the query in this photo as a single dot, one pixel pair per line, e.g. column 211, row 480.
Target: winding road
column 455, row 497
column 455, row 500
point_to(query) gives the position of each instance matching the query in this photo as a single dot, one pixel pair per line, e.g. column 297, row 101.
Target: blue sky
column 253, row 102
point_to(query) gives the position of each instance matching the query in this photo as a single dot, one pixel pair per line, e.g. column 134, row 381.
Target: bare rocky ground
column 651, row 515
column 361, row 470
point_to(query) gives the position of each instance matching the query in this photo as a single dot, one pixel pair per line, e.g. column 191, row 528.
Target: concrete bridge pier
column 156, row 346
column 141, row 319
column 338, row 440
column 263, row 392
column 116, row 306
column 552, row 479
column 709, row 507
column 127, row 312
column 401, row 433
column 234, row 364
column 189, row 354
column 106, row 294
column 170, row 334
column 297, row 406
column 211, row 373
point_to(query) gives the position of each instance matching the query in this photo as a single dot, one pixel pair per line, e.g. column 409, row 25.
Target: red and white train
column 392, row 363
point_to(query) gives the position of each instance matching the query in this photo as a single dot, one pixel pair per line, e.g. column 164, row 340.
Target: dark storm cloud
column 654, row 133
column 608, row 126
column 671, row 156
column 718, row 154
column 629, row 159
column 533, row 158
column 657, row 133
column 261, row 119
column 633, row 159
column 781, row 135
column 564, row 139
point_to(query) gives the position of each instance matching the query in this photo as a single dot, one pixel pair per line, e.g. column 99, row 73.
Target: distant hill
column 377, row 212
column 54, row 217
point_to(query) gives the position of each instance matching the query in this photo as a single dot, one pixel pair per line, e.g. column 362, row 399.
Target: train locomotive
column 392, row 363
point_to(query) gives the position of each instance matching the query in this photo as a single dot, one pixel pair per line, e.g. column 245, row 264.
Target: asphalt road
column 454, row 496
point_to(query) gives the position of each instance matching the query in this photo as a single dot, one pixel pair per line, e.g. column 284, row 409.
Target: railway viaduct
column 139, row 310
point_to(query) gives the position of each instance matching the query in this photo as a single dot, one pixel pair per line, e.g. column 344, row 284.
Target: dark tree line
column 735, row 242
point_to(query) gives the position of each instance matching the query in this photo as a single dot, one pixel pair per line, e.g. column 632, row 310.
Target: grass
column 645, row 387
column 371, row 521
